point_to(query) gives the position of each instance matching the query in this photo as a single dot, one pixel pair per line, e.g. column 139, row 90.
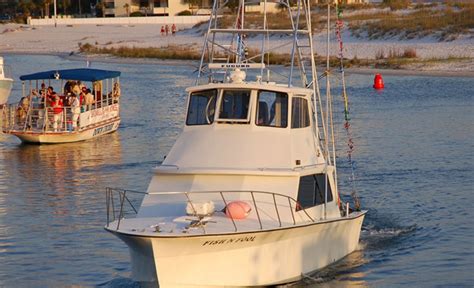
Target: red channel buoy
column 378, row 82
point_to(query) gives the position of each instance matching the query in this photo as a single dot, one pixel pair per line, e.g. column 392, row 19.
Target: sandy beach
column 65, row 41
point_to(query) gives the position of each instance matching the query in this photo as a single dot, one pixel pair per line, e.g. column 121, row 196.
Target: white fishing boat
column 86, row 105
column 6, row 84
column 248, row 194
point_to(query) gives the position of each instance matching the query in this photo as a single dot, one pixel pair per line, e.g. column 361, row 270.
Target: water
column 414, row 168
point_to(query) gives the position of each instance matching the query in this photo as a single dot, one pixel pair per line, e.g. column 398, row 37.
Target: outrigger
column 86, row 105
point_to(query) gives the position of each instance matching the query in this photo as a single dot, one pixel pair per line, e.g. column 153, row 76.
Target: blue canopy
column 82, row 74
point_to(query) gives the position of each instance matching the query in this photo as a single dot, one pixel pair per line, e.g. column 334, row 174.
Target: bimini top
column 82, row 74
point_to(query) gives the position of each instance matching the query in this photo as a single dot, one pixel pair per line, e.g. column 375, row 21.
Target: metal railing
column 119, row 204
column 37, row 118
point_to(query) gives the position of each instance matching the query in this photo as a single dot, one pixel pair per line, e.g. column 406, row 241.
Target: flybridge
column 227, row 48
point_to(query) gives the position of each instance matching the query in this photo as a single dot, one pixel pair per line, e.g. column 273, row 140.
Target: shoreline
column 194, row 64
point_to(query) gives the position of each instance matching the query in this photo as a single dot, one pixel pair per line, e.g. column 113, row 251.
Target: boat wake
column 381, row 238
column 121, row 282
column 383, row 232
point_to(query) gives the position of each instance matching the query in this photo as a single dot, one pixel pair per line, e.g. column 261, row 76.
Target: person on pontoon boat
column 22, row 110
column 88, row 98
column 75, row 110
column 57, row 109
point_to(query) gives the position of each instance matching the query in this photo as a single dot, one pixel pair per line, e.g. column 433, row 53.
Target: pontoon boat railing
column 120, row 205
column 35, row 118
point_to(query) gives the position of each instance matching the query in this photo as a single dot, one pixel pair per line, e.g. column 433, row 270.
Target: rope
column 347, row 125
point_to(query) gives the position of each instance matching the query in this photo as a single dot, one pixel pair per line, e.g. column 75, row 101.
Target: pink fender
column 237, row 210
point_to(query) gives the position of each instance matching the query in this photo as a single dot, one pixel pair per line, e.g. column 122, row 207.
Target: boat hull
column 258, row 258
column 67, row 137
column 6, row 85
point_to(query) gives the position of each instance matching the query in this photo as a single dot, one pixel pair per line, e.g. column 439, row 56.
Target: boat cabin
column 241, row 137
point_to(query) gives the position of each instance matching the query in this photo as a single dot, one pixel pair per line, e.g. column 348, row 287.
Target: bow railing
column 285, row 210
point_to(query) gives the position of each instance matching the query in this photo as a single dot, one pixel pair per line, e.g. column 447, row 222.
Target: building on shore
column 123, row 8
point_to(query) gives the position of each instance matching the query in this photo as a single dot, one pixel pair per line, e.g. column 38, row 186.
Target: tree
column 192, row 4
column 127, row 8
column 46, row 5
column 101, row 7
column 26, row 7
column 233, row 5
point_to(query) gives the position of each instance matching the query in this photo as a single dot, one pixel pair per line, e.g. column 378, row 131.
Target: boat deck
column 218, row 223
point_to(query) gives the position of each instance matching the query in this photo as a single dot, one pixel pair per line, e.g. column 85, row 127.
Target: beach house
column 123, row 8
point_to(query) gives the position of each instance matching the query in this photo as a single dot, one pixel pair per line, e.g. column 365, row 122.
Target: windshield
column 235, row 105
column 202, row 106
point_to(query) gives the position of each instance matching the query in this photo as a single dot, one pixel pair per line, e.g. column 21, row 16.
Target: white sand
column 63, row 39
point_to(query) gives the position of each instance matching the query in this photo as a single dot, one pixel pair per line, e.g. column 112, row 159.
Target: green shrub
column 409, row 53
column 185, row 13
column 444, row 24
column 136, row 14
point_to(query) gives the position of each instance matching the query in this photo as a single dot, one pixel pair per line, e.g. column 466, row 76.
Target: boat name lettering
column 103, row 129
column 229, row 241
column 100, row 112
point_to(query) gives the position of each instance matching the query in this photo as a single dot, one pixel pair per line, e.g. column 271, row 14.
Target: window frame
column 317, row 186
column 216, row 95
column 233, row 120
column 303, row 97
column 287, row 108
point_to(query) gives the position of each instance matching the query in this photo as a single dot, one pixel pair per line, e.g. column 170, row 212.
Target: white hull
column 6, row 85
column 67, row 137
column 242, row 259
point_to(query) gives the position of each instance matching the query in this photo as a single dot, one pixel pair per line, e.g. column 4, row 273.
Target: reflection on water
column 44, row 191
column 413, row 153
column 343, row 273
column 65, row 165
column 52, row 197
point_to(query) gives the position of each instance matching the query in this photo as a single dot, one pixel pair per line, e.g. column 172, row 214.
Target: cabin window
column 109, row 5
column 160, row 3
column 202, row 106
column 299, row 113
column 144, row 3
column 311, row 190
column 235, row 105
column 272, row 109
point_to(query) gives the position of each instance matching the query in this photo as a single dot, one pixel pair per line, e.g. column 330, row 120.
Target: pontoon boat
column 61, row 106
